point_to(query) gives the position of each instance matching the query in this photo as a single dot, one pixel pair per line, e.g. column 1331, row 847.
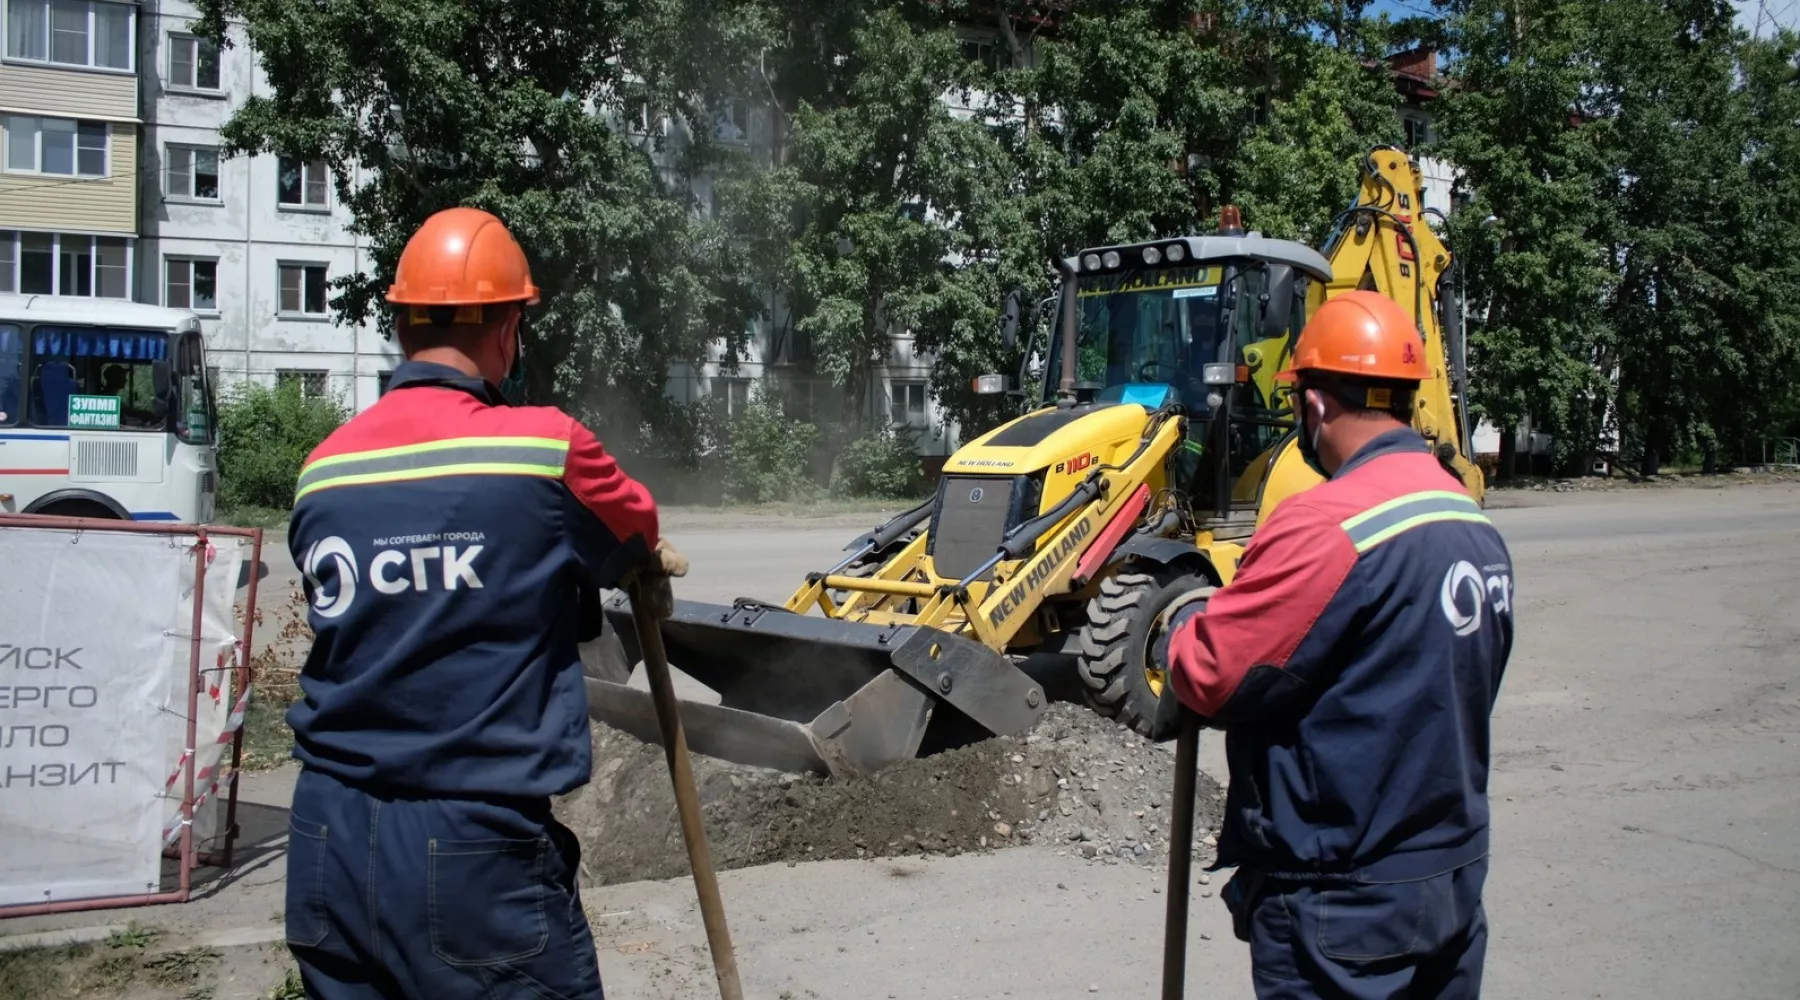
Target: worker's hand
column 667, row 562
column 1171, row 714
column 651, row 581
column 1179, row 612
column 1173, row 619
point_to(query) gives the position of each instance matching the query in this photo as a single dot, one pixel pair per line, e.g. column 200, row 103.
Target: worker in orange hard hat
column 449, row 543
column 1353, row 663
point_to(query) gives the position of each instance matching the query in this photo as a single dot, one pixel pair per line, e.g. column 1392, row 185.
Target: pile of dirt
column 1080, row 782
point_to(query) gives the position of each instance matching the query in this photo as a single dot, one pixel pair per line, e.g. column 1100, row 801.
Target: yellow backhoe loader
column 1163, row 442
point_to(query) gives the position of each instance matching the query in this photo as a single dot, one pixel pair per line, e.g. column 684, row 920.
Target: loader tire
column 1114, row 659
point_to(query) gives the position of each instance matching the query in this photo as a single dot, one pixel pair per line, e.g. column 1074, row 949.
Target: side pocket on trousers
column 1378, row 922
column 487, row 900
column 307, row 923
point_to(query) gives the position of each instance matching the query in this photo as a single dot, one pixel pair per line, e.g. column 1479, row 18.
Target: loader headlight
column 1152, row 256
column 989, row 385
column 1176, row 253
column 1090, row 262
column 1110, row 259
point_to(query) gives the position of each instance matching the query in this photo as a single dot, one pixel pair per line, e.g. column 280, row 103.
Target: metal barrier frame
column 186, row 854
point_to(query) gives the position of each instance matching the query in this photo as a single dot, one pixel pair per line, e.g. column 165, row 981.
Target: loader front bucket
column 810, row 693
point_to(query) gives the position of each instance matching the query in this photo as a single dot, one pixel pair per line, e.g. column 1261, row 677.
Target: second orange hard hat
column 1361, row 334
column 462, row 257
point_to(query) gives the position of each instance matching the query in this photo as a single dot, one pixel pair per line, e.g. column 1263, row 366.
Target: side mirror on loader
column 1009, row 321
column 1278, row 301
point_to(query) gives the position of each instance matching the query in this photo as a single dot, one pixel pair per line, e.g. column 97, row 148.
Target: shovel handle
column 1181, row 855
column 687, row 797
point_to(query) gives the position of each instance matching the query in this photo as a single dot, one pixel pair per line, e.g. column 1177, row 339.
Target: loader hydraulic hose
column 1020, row 541
column 885, row 535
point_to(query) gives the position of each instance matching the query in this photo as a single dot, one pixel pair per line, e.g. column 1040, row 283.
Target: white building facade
column 248, row 242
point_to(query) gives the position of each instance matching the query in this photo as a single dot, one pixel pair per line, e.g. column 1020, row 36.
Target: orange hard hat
column 1361, row 334
column 462, row 257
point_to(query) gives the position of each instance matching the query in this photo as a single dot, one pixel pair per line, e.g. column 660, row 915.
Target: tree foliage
column 1639, row 158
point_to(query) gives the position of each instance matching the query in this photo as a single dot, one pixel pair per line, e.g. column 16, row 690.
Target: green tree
column 525, row 110
column 1540, row 344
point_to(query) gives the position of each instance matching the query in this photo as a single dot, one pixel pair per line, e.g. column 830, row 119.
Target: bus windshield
column 1144, row 334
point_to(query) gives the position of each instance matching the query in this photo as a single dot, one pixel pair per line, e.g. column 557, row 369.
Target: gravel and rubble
column 1744, row 476
column 1078, row 782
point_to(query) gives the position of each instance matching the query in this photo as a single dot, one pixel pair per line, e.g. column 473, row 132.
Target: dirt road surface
column 1646, row 797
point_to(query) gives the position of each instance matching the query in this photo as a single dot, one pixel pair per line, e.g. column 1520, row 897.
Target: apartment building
column 70, row 164
column 248, row 242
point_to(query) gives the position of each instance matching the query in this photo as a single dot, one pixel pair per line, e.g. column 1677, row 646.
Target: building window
column 193, row 63
column 71, row 32
column 382, row 381
column 57, row 146
column 908, row 401
column 193, row 173
column 302, row 185
column 737, row 395
column 311, row 381
column 191, row 284
column 303, row 289
column 729, row 123
column 989, row 52
column 1418, row 131
column 65, row 264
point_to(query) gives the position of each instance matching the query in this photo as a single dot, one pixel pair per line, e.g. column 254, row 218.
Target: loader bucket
column 810, row 693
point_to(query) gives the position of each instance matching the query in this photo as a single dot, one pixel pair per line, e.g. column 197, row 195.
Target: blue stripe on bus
column 153, row 515
column 34, row 437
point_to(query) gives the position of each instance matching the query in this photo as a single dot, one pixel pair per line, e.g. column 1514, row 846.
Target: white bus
column 105, row 411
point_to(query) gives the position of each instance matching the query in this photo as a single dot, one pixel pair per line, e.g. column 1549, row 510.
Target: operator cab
column 1202, row 324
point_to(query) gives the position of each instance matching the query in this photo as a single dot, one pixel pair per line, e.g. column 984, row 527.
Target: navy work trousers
column 433, row 899
column 1422, row 940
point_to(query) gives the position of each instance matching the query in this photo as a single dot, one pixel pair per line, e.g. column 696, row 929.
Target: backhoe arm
column 1381, row 244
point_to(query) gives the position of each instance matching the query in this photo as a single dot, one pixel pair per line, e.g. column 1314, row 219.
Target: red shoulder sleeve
column 620, row 502
column 1292, row 570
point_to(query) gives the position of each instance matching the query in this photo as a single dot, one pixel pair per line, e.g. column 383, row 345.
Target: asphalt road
column 1646, row 794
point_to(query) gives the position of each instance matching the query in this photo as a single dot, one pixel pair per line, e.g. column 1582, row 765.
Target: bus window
column 97, row 364
column 12, row 372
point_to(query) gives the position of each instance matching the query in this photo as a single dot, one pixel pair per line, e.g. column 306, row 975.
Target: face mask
column 1309, row 435
column 513, row 385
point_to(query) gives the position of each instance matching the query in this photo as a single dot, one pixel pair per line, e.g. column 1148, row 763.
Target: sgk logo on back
column 333, row 559
column 1465, row 593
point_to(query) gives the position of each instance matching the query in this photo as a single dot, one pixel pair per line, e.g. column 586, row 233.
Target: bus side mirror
column 1278, row 301
column 159, row 379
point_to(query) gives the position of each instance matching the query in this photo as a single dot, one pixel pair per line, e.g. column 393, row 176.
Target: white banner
column 95, row 641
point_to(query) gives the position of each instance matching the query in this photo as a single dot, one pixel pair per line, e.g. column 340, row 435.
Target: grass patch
column 251, row 516
column 268, row 742
column 86, row 970
column 180, row 968
column 291, row 987
column 34, row 973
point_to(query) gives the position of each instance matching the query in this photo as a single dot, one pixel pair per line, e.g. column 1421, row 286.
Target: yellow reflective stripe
column 1451, row 496
column 552, row 444
column 1365, row 544
column 433, row 472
